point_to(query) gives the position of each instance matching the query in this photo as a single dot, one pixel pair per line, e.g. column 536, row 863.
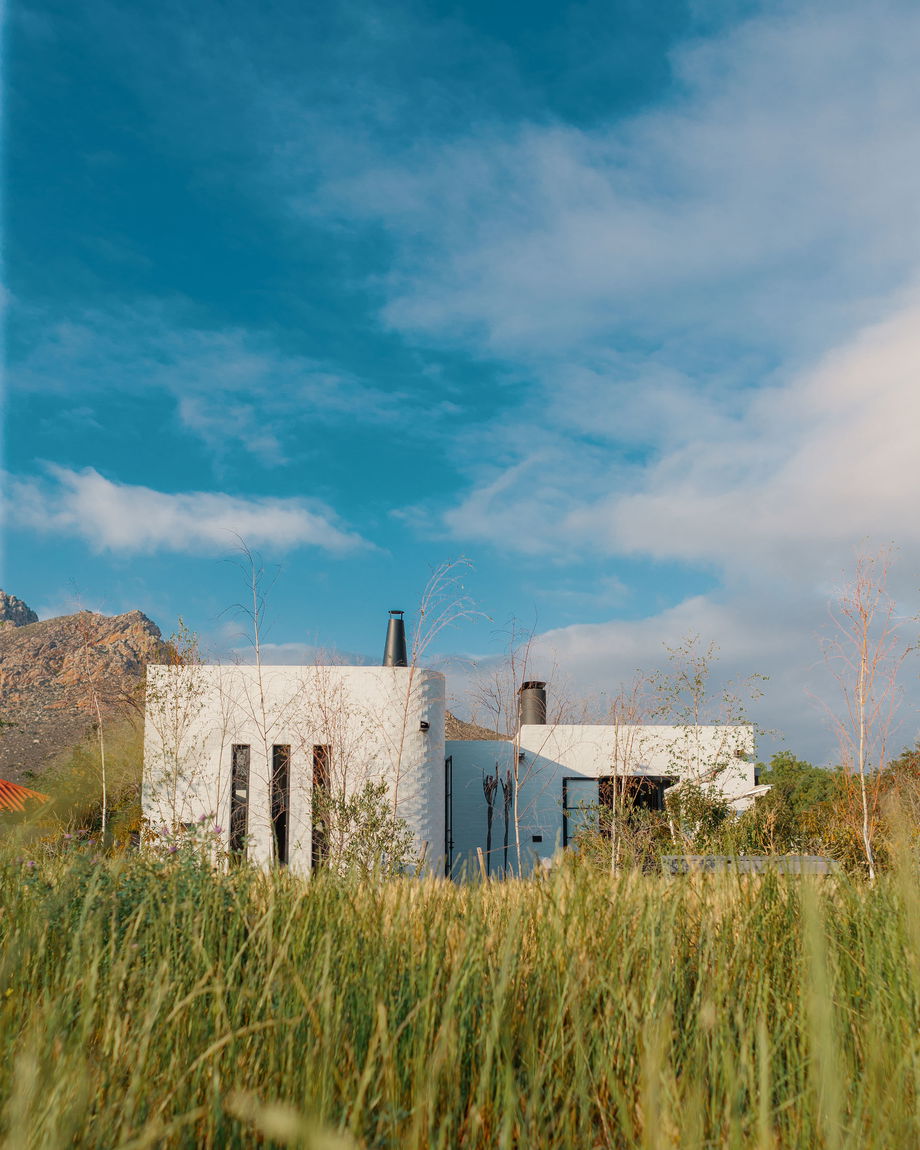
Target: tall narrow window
column 239, row 798
column 448, row 814
column 280, row 801
column 322, row 762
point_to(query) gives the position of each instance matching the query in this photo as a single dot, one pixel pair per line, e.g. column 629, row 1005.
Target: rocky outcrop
column 53, row 673
column 455, row 728
column 14, row 613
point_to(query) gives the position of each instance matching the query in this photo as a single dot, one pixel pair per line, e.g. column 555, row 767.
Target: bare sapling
column 627, row 713
column 89, row 670
column 253, row 610
column 865, row 652
column 173, row 753
column 444, row 604
column 713, row 732
column 495, row 698
column 496, row 704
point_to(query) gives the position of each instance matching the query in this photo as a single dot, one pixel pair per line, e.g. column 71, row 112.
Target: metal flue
column 532, row 703
column 394, row 653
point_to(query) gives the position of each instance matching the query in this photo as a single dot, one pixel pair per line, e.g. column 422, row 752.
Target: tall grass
column 151, row 1003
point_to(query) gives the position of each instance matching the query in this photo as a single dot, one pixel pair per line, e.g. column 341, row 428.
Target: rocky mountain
column 14, row 613
column 54, row 671
column 455, row 728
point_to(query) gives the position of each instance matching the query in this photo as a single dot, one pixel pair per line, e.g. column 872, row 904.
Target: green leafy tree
column 797, row 810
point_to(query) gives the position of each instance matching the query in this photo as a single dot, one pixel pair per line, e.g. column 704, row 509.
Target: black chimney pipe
column 532, row 703
column 394, row 653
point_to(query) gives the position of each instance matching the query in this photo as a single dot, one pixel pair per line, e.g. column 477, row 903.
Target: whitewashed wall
column 548, row 754
column 471, row 760
column 370, row 716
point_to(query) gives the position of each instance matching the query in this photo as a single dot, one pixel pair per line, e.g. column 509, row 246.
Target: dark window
column 281, row 801
column 322, row 762
column 448, row 813
column 581, row 796
column 239, row 798
column 645, row 794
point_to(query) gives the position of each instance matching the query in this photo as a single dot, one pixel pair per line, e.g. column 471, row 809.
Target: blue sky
column 619, row 302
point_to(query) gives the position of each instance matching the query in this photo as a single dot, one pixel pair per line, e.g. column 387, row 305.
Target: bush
column 365, row 838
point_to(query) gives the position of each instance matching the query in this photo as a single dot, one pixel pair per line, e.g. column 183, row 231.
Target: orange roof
column 13, row 797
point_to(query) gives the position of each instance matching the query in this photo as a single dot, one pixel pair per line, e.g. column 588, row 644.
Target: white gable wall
column 371, row 717
column 471, row 761
column 549, row 753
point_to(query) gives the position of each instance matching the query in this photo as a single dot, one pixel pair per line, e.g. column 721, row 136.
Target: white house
column 251, row 747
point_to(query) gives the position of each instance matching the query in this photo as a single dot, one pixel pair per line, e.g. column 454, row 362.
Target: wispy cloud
column 126, row 519
column 768, row 197
column 233, row 387
column 811, row 468
column 683, row 286
column 788, row 484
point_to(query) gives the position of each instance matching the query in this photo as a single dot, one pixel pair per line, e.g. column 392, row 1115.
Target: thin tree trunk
column 105, row 793
column 861, row 752
column 97, row 709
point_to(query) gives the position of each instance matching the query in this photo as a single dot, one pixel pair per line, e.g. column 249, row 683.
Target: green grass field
column 152, row 1003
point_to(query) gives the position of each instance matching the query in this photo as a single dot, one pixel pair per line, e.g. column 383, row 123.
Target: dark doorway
column 239, row 798
column 281, row 801
column 322, row 763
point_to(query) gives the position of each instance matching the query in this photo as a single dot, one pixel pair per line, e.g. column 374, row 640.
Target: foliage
column 900, row 786
column 796, row 783
column 896, row 791
column 149, row 1000
column 808, row 810
column 643, row 836
column 72, row 783
column 696, row 815
column 792, row 817
column 366, row 839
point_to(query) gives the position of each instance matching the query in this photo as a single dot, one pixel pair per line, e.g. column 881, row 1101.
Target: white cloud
column 808, row 471
column 669, row 280
column 758, row 630
column 297, row 655
column 126, row 519
column 775, row 191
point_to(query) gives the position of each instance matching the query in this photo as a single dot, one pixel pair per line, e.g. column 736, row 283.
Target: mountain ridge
column 55, row 672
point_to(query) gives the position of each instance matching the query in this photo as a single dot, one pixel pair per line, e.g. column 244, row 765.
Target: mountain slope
column 52, row 673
